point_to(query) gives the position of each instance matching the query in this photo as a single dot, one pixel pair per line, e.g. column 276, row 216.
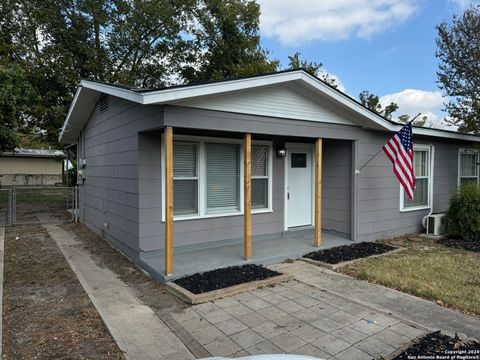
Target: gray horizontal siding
column 109, row 198
column 123, row 186
column 336, row 185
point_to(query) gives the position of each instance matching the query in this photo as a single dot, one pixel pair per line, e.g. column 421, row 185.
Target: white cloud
column 413, row 101
column 293, row 22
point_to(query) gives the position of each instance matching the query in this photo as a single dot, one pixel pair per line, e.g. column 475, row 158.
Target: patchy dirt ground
column 46, row 313
column 152, row 293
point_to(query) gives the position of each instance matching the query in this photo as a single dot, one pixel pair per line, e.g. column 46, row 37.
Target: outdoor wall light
column 281, row 152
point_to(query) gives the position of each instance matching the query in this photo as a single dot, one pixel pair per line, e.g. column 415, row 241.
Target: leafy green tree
column 421, row 121
column 459, row 71
column 137, row 43
column 14, row 95
column 372, row 102
column 311, row 67
column 225, row 41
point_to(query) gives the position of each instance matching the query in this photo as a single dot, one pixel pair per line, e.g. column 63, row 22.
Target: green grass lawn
column 451, row 277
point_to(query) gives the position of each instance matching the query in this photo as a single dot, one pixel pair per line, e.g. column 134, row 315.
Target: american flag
column 399, row 150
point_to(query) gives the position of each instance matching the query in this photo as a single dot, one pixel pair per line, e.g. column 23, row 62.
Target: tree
column 459, row 70
column 372, row 102
column 136, row 43
column 225, row 41
column 311, row 67
column 14, row 95
column 421, row 121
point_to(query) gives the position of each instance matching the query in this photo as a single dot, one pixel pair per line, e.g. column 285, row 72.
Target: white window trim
column 431, row 152
column 202, row 183
column 459, row 172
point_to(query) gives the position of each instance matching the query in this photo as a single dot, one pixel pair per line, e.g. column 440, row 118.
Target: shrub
column 463, row 215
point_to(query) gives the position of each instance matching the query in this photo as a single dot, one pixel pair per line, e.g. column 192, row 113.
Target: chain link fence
column 37, row 205
column 5, row 207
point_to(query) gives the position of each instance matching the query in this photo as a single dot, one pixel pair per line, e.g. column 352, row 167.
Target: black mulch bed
column 343, row 253
column 219, row 279
column 459, row 243
column 436, row 344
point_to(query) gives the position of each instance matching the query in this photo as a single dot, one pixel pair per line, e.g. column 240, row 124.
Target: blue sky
column 384, row 46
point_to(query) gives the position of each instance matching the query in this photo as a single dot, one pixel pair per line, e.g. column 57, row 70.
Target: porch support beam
column 168, row 150
column 247, row 205
column 318, row 192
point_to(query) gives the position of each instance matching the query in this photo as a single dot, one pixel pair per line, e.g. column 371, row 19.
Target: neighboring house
column 31, row 167
column 123, row 136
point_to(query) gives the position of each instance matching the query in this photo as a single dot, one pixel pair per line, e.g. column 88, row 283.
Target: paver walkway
column 295, row 318
column 139, row 333
column 402, row 305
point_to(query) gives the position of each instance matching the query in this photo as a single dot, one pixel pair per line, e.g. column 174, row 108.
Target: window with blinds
column 207, row 178
column 223, row 177
column 185, row 178
column 260, row 176
column 468, row 168
column 421, row 163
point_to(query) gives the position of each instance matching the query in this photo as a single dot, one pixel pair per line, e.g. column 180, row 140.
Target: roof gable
column 326, row 104
column 278, row 101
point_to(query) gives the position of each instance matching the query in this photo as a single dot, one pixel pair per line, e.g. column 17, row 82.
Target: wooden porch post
column 168, row 149
column 247, row 206
column 318, row 192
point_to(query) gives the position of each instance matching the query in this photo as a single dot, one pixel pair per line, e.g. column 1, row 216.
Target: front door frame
column 289, row 146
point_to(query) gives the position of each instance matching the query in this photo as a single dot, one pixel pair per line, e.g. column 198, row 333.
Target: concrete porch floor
column 192, row 259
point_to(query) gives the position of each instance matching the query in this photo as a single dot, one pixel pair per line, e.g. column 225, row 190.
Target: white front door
column 299, row 186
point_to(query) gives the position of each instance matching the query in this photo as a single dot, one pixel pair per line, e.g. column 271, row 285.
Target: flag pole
column 357, row 172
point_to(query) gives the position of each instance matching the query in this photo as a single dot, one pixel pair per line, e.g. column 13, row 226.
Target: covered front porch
column 231, row 199
column 191, row 259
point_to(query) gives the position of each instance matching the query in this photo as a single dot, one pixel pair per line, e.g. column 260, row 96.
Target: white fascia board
column 443, row 134
column 114, row 91
column 346, row 101
column 194, row 91
column 69, row 114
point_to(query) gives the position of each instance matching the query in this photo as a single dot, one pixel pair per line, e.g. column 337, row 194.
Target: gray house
column 190, row 178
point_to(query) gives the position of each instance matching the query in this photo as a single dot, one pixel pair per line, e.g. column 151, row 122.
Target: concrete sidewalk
column 2, row 253
column 413, row 309
column 137, row 330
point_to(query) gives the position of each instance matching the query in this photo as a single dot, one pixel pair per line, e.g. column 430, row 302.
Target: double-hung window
column 185, row 178
column 468, row 168
column 260, row 176
column 421, row 195
column 208, row 177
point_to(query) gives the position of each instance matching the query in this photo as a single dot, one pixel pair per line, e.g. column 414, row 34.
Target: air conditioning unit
column 434, row 224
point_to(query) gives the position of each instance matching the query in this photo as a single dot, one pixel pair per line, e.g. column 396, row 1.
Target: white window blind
column 185, row 178
column 468, row 168
column 223, row 177
column 421, row 162
column 260, row 176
